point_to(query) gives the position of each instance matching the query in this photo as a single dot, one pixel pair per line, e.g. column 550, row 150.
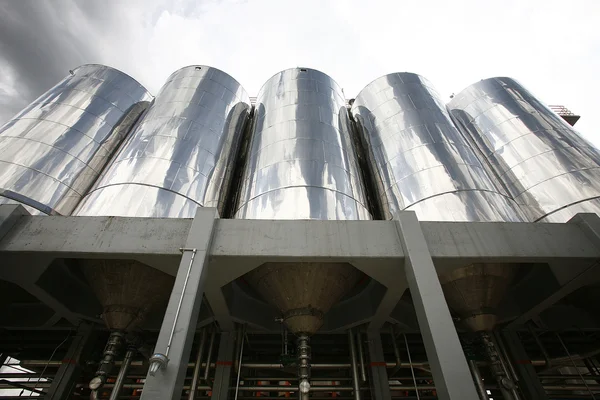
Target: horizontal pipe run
column 43, row 363
column 25, row 386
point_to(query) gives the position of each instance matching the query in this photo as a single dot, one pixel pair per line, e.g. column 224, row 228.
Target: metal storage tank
column 302, row 164
column 419, row 160
column 180, row 156
column 551, row 171
column 53, row 150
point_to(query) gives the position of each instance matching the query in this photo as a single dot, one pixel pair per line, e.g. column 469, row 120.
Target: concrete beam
column 444, row 352
column 364, row 244
column 224, row 365
column 378, row 378
column 9, row 216
column 88, row 237
column 547, row 285
column 529, row 383
column 72, row 365
column 179, row 325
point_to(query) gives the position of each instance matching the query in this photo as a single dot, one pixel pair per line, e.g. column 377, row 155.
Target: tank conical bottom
column 475, row 291
column 303, row 292
column 127, row 290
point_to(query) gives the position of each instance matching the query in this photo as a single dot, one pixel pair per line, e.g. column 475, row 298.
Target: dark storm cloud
column 38, row 46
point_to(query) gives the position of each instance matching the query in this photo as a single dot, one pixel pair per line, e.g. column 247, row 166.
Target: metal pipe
column 159, row 360
column 500, row 344
column 574, row 365
column 114, row 395
column 355, row 382
column 197, row 366
column 503, row 363
column 412, row 370
column 241, row 354
column 210, row 351
column 361, row 357
column 505, row 384
column 304, row 366
column 478, row 380
column 113, row 344
column 537, row 340
column 396, row 353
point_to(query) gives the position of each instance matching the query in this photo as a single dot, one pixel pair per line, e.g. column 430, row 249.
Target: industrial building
column 204, row 244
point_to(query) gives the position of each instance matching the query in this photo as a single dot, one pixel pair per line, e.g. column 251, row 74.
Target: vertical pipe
column 239, row 367
column 303, row 366
column 114, row 395
column 541, row 346
column 198, row 366
column 354, row 366
column 361, row 357
column 412, row 370
column 500, row 344
column 575, row 365
column 505, row 384
column 504, row 361
column 478, row 381
column 210, row 351
column 396, row 353
column 113, row 346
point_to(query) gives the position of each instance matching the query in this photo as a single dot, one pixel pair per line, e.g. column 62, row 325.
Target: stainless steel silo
column 302, row 164
column 53, row 150
column 551, row 171
column 419, row 160
column 180, row 155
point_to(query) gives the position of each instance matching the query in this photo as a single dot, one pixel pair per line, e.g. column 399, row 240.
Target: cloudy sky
column 551, row 46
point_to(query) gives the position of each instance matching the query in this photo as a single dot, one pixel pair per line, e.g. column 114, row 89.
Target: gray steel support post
column 174, row 345
column 449, row 366
column 72, row 364
column 224, row 364
column 529, row 383
column 380, row 388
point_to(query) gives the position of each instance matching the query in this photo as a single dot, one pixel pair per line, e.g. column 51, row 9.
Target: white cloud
column 550, row 46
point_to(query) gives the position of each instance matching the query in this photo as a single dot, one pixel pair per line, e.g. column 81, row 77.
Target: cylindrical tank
column 175, row 160
column 53, row 150
column 181, row 155
column 302, row 164
column 419, row 160
column 551, row 171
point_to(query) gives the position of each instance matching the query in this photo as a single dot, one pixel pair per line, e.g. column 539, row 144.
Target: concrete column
column 529, row 383
column 9, row 216
column 380, row 388
column 179, row 324
column 220, row 387
column 447, row 360
column 73, row 364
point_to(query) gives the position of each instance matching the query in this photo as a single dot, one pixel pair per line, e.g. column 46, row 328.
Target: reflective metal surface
column 180, row 155
column 53, row 150
column 301, row 160
column 551, row 171
column 418, row 158
column 302, row 165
